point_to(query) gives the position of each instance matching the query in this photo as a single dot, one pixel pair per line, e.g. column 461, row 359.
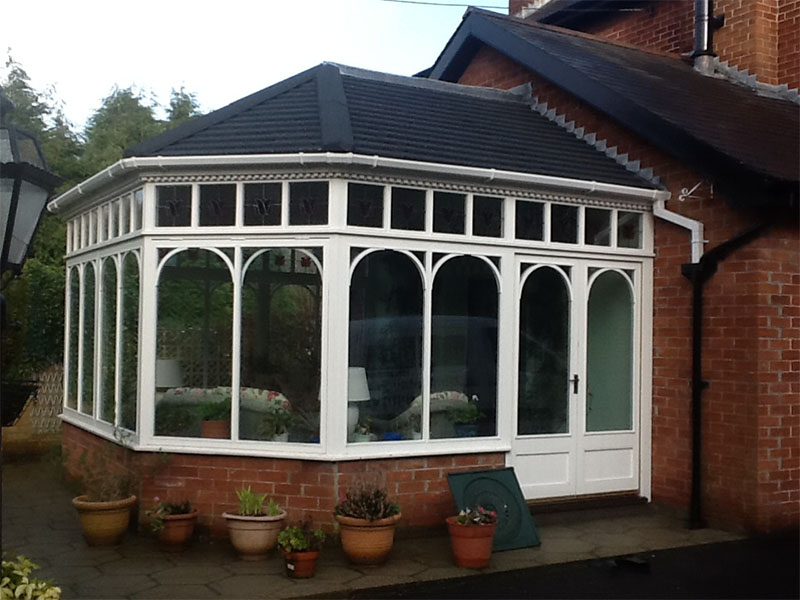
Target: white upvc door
column 577, row 387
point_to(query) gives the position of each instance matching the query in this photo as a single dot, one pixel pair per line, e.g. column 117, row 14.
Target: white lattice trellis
column 48, row 400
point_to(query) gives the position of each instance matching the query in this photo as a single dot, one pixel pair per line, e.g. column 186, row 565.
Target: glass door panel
column 543, row 404
column 609, row 402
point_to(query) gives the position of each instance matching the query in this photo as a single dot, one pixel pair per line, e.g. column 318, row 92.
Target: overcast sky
column 221, row 51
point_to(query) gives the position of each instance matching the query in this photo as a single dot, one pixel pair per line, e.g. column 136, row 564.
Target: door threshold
column 589, row 502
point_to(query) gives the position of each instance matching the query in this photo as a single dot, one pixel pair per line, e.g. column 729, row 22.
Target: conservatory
column 350, row 265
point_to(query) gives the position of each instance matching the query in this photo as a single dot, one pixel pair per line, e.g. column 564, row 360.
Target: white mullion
column 99, row 287
column 146, row 380
column 427, row 319
column 337, row 203
column 336, row 285
column 195, row 216
column 614, row 227
column 239, row 210
column 284, row 204
column 387, row 207
column 429, row 210
column 510, row 218
column 581, row 233
column 120, row 262
column 81, row 311
column 468, row 207
column 68, row 300
column 546, row 222
column 506, row 350
column 236, row 340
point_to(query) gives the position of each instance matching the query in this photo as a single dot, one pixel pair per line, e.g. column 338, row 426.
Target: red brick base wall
column 305, row 488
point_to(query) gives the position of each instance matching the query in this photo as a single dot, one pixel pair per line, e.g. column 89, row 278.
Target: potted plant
column 464, row 418
column 367, row 520
column 300, row 546
column 253, row 529
column 105, row 505
column 216, row 419
column 472, row 536
column 363, row 431
column 277, row 417
column 173, row 522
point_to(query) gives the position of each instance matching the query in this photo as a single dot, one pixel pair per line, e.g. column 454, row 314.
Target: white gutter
column 694, row 227
column 127, row 165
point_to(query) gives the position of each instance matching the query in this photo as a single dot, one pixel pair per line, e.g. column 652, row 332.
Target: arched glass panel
column 129, row 345
column 281, row 340
column 464, row 350
column 193, row 356
column 543, row 354
column 73, row 336
column 385, row 360
column 609, row 403
column 87, row 376
column 108, row 342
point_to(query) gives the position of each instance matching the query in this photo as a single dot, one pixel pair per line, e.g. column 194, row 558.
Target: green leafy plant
column 17, row 582
column 162, row 509
column 301, row 538
column 251, row 504
column 215, row 411
column 478, row 516
column 465, row 413
column 276, row 420
column 366, row 501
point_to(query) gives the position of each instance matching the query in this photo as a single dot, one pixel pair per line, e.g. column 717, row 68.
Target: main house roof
column 740, row 139
column 332, row 108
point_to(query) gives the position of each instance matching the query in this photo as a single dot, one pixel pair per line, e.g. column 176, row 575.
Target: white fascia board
column 129, row 165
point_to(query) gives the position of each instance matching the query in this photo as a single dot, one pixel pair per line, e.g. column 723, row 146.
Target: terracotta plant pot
column 254, row 537
column 104, row 523
column 367, row 542
column 471, row 544
column 216, row 429
column 300, row 565
column 177, row 531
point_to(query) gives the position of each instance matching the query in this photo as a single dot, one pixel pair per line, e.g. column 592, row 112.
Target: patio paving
column 38, row 521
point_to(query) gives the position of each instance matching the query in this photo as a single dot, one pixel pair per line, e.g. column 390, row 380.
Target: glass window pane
column 464, row 350
column 529, row 217
column 629, row 229
column 262, row 204
column 173, row 205
column 108, row 342
column 124, row 208
column 138, row 203
column 87, row 394
column 563, row 223
column 364, row 205
column 280, row 355
column 544, row 354
column 487, row 216
column 72, row 338
column 597, row 227
column 408, row 209
column 308, row 203
column 217, row 205
column 448, row 212
column 385, row 376
column 609, row 402
column 193, row 337
column 129, row 348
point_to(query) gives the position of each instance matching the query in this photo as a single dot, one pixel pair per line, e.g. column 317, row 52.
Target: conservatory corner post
column 236, row 342
column 148, row 302
column 506, row 366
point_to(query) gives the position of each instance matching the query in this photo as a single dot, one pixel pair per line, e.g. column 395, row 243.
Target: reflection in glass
column 544, row 354
column 217, row 205
column 629, row 229
column 563, row 223
column 72, row 339
column 262, row 204
column 597, row 229
column 108, row 342
column 87, row 393
column 364, row 205
column 487, row 216
column 308, row 203
column 464, row 349
column 173, row 205
column 408, row 209
column 609, row 402
column 386, row 340
column 280, row 352
column 529, row 219
column 129, row 347
column 194, row 328
column 449, row 212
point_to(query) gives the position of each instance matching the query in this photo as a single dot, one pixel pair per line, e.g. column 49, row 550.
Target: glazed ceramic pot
column 104, row 523
column 471, row 544
column 367, row 542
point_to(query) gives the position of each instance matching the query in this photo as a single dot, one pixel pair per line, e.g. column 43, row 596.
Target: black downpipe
column 699, row 273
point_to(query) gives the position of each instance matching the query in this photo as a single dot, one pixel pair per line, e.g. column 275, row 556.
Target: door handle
column 574, row 381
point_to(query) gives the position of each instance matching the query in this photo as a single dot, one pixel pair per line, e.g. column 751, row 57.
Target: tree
column 183, row 106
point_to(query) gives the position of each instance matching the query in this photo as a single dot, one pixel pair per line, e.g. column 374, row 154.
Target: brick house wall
column 751, row 355
column 305, row 488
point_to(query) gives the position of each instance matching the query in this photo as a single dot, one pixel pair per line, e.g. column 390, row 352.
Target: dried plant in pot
column 472, row 536
column 174, row 523
column 367, row 519
column 105, row 505
column 253, row 529
column 300, row 546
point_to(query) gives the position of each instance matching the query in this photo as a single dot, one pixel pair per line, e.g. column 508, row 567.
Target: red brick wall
column 305, row 488
column 789, row 43
column 751, row 434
